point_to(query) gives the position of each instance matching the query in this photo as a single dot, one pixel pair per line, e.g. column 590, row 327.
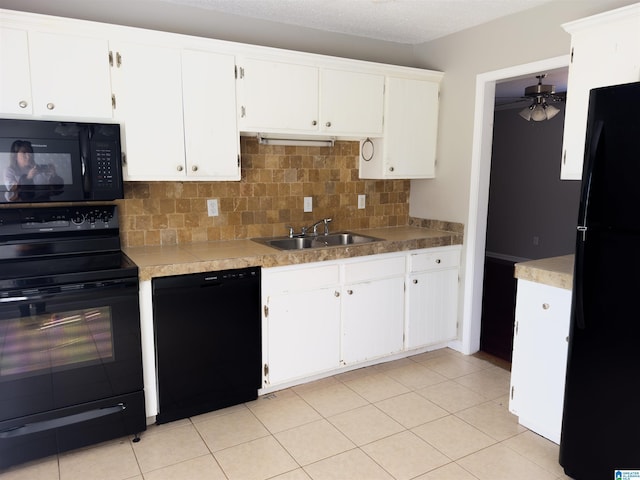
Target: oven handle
column 13, row 299
column 61, row 422
column 45, row 293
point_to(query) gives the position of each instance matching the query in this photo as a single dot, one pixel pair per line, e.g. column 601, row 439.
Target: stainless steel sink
column 320, row 241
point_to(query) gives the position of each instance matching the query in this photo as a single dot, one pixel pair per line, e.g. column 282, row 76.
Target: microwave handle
column 85, row 156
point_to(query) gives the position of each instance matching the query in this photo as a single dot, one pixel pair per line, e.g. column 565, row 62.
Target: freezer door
column 611, row 177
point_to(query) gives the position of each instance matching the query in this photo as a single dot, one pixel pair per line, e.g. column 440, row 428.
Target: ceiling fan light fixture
column 526, row 113
column 551, row 111
column 539, row 109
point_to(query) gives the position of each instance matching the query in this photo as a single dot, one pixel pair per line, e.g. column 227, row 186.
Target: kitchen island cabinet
column 540, row 349
column 605, row 50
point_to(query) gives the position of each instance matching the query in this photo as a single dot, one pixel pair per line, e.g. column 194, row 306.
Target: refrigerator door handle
column 578, row 283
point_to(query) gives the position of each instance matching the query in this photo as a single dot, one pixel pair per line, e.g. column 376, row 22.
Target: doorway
column 479, row 190
column 532, row 213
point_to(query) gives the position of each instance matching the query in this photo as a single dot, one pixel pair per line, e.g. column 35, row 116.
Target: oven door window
column 34, row 342
column 69, row 347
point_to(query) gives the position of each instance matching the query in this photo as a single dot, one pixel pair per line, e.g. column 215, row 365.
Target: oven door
column 67, row 345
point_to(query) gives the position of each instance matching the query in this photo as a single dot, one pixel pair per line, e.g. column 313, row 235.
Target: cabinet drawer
column 300, row 279
column 434, row 260
column 370, row 270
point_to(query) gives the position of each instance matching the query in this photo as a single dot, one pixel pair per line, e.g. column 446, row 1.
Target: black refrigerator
column 601, row 419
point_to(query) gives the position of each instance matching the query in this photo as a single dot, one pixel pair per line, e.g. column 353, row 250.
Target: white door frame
column 479, row 192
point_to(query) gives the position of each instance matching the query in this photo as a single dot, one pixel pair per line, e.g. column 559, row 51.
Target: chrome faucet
column 315, row 226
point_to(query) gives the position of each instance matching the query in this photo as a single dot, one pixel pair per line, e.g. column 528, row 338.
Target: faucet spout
column 326, row 222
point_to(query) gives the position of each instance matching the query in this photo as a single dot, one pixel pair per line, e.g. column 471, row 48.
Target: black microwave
column 52, row 161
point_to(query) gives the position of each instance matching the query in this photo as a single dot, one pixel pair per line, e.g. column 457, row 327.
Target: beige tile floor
column 439, row 415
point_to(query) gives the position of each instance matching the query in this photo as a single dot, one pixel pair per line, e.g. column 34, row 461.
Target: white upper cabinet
column 178, row 112
column 605, row 50
column 277, row 96
column 297, row 98
column 407, row 148
column 212, row 143
column 54, row 75
column 351, row 103
column 15, row 77
column 147, row 85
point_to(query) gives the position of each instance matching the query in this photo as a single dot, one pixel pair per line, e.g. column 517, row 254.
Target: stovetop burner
column 56, row 245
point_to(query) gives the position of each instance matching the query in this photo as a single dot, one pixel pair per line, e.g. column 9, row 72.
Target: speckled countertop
column 160, row 261
column 554, row 271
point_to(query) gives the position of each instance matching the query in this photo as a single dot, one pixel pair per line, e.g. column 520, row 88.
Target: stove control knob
column 77, row 218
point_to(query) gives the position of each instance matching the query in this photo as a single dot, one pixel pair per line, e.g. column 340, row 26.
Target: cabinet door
column 540, row 357
column 351, row 102
column 408, row 149
column 372, row 319
column 210, row 132
column 603, row 54
column 278, row 96
column 15, row 78
column 147, row 83
column 70, row 75
column 411, row 128
column 432, row 304
column 303, row 331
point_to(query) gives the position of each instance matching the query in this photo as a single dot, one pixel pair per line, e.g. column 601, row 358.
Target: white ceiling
column 400, row 21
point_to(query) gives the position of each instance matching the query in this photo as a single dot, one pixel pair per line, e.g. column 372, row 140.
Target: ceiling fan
column 540, row 97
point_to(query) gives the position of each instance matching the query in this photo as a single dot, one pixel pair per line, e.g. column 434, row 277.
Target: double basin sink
column 318, row 241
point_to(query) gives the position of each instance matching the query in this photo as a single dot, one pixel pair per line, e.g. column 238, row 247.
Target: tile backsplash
column 269, row 196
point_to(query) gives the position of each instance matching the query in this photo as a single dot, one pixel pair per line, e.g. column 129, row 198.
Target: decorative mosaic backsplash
column 270, row 196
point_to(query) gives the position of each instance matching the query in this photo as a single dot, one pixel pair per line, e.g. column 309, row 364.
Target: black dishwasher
column 207, row 330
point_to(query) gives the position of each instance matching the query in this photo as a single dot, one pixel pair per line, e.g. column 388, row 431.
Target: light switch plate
column 212, row 207
column 308, row 204
column 361, row 201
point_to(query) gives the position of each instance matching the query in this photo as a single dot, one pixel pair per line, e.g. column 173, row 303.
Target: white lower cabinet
column 372, row 309
column 301, row 321
column 319, row 317
column 540, row 357
column 432, row 296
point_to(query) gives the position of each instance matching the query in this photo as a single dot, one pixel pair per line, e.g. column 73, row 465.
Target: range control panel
column 21, row 221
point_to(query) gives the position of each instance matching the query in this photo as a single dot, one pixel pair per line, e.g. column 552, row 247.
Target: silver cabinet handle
column 314, row 123
column 179, row 168
column 350, row 292
column 328, row 124
column 391, row 169
column 545, row 306
column 194, row 168
column 23, row 104
column 50, row 106
column 415, row 281
column 336, row 294
column 438, row 260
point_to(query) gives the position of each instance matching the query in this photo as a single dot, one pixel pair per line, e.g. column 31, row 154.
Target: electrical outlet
column 212, row 207
column 361, row 201
column 308, row 204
